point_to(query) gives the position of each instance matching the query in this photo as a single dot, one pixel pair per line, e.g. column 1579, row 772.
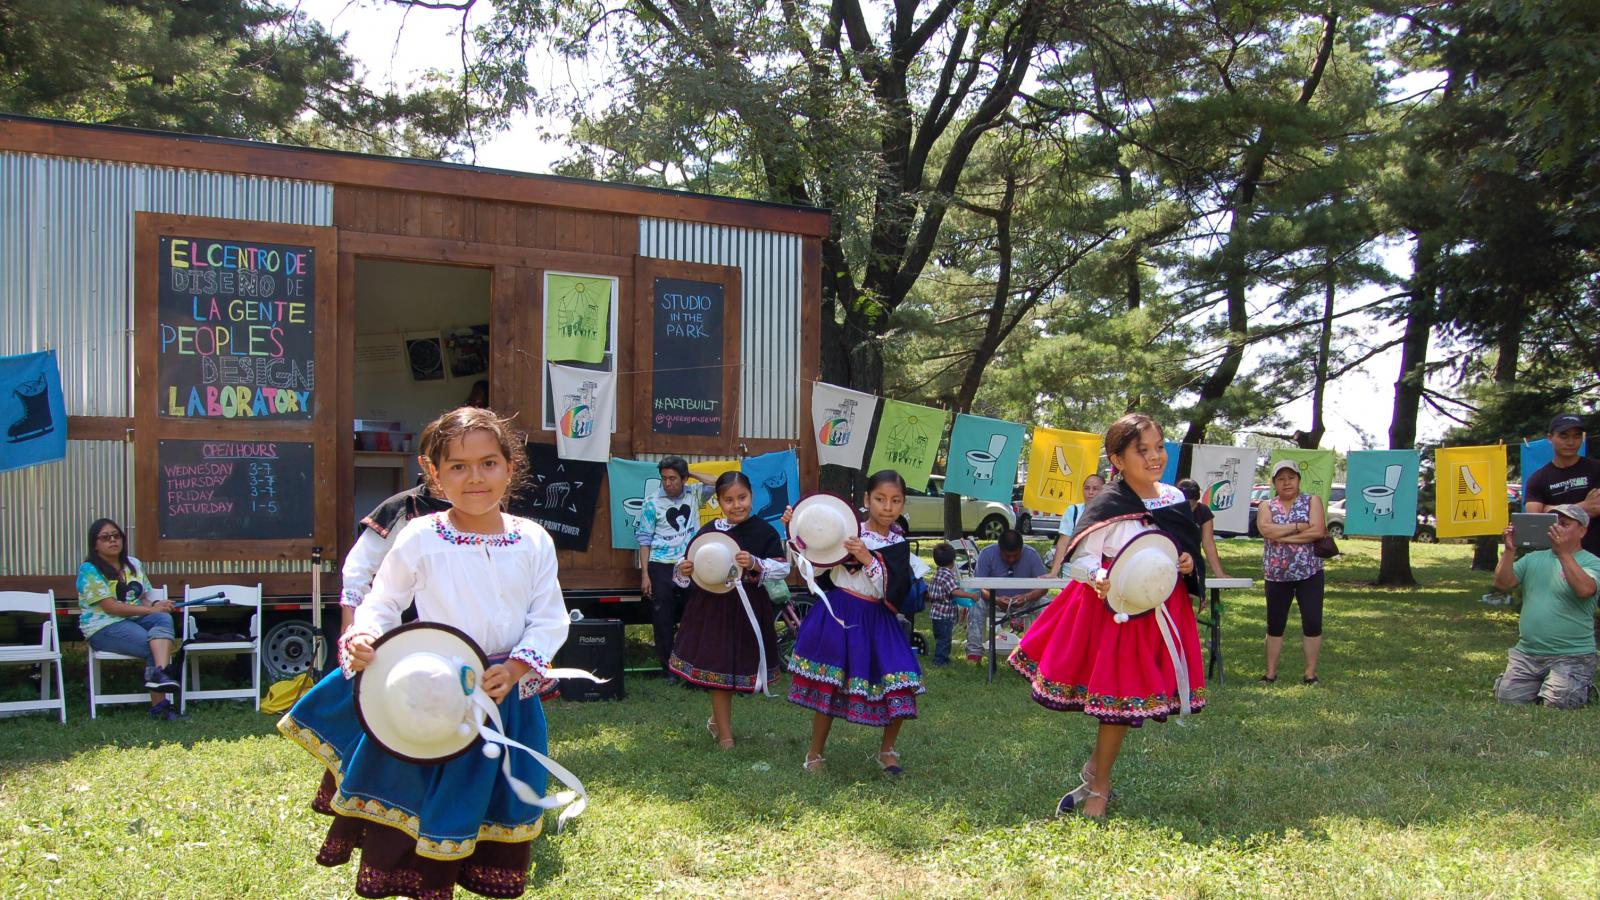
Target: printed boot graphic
column 35, row 421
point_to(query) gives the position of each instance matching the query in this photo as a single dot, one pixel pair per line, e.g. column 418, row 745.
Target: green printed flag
column 908, row 440
column 577, row 317
column 1316, row 470
column 983, row 456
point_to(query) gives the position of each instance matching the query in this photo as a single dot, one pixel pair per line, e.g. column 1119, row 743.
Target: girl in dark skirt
column 726, row 642
column 852, row 658
column 1079, row 656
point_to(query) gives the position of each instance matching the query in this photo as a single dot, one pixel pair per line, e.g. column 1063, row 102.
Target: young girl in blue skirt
column 852, row 658
column 422, row 829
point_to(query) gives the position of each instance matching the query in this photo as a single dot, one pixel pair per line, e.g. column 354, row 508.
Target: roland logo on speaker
column 594, row 639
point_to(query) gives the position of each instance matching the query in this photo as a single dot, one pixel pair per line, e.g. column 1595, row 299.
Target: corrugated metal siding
column 66, row 282
column 769, row 263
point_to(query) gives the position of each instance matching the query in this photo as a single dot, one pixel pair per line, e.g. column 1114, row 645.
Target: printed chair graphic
column 1057, row 477
column 1380, row 497
column 981, row 462
column 1469, row 505
column 36, row 421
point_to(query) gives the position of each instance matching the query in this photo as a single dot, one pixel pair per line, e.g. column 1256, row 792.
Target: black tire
column 801, row 604
column 990, row 528
column 1336, row 530
column 1025, row 524
column 286, row 649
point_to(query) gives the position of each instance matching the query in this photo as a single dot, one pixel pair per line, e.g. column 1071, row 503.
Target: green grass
column 1398, row 776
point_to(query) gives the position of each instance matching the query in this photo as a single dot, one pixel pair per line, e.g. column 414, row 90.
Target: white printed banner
column 841, row 419
column 584, row 399
column 1225, row 475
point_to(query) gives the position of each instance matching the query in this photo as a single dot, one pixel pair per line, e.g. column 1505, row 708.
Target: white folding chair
column 97, row 697
column 45, row 653
column 194, row 651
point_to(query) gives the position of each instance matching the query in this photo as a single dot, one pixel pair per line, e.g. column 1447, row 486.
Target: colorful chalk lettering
column 234, row 490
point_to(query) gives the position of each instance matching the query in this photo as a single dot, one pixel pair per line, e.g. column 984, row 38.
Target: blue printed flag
column 775, row 478
column 32, row 411
column 1169, row 475
column 1535, row 456
column 630, row 480
column 1381, row 492
column 982, row 461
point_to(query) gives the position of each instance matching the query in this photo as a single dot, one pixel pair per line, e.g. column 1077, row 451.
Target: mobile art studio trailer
column 252, row 336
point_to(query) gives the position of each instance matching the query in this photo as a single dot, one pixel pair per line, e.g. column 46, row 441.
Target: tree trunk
column 1508, row 344
column 1310, row 440
column 1394, row 564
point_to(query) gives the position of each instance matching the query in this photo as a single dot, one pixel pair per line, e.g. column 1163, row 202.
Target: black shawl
column 402, row 508
column 1118, row 501
column 897, row 573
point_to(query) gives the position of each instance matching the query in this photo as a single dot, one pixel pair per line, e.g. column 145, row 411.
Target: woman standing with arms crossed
column 1291, row 522
column 1079, row 656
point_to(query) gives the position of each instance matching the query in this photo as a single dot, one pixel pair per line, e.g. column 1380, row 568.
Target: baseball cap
column 1572, row 511
column 1282, row 464
column 1565, row 421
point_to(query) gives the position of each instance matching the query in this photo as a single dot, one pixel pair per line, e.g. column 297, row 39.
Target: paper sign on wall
column 841, row 420
column 1381, row 492
column 1225, row 475
column 1058, row 462
column 908, row 440
column 983, row 456
column 1471, row 490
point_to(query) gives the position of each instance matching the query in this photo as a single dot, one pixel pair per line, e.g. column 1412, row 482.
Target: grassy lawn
column 1397, row 776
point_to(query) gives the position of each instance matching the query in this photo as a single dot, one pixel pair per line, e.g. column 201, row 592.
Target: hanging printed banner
column 710, row 509
column 1471, row 491
column 1316, row 470
column 1169, row 475
column 908, row 440
column 32, row 411
column 1535, row 456
column 631, row 481
column 983, row 457
column 583, row 402
column 1225, row 475
column 1380, row 496
column 1058, row 462
column 841, row 419
column 775, row 478
column 577, row 317
column 561, row 495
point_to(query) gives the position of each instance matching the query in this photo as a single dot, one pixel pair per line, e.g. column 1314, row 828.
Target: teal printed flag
column 631, row 480
column 983, row 456
column 1381, row 492
column 1535, row 456
column 32, row 411
column 775, row 480
column 1169, row 475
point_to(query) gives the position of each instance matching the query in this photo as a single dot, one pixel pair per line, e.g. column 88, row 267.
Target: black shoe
column 1311, row 680
column 166, row 712
column 1267, row 680
column 157, row 679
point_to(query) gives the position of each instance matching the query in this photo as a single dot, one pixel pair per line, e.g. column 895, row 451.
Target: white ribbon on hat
column 808, row 573
column 761, row 646
column 575, row 800
column 1169, row 630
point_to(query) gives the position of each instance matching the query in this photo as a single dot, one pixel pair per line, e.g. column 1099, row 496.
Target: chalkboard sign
column 686, row 332
column 234, row 490
column 236, row 322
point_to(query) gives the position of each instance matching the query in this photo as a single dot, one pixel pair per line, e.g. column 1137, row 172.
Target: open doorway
column 421, row 348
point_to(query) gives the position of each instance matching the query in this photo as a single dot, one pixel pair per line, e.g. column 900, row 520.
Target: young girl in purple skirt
column 852, row 659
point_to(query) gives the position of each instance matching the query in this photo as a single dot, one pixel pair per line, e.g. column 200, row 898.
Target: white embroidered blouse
column 869, row 580
column 501, row 589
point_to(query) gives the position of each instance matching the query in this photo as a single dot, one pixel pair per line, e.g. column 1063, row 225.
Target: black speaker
column 593, row 645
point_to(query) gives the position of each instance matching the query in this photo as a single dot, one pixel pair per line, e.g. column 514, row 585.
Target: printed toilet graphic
column 982, row 462
column 1381, row 496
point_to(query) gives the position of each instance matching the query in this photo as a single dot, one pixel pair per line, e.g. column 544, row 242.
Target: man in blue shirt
column 1554, row 661
column 1008, row 557
column 667, row 523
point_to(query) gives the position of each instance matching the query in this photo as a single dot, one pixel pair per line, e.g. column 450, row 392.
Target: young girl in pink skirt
column 1078, row 656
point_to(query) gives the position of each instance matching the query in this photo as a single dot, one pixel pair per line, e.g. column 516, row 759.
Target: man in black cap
column 1568, row 478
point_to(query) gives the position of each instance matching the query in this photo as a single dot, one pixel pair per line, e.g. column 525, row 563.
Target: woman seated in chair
column 116, row 617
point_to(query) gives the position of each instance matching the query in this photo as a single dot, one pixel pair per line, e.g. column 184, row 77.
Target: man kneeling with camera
column 1554, row 661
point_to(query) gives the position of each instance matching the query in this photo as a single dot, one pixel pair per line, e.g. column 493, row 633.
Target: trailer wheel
column 286, row 650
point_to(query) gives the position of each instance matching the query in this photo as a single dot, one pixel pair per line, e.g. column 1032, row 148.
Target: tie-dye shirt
column 93, row 588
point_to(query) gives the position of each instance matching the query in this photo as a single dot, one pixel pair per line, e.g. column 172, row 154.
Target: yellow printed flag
column 713, row 467
column 1057, row 465
column 1470, row 499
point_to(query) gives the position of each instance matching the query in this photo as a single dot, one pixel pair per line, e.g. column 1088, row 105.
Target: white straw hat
column 818, row 528
column 714, row 569
column 413, row 698
column 1142, row 575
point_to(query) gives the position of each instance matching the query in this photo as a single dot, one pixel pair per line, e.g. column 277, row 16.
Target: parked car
column 1032, row 521
column 1426, row 532
column 924, row 514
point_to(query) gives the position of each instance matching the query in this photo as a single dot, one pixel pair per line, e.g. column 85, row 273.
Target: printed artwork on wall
column 1535, row 455
column 426, row 357
column 775, row 481
column 577, row 317
column 32, row 410
column 561, row 495
column 467, row 350
column 908, row 440
column 1058, row 462
column 711, row 509
column 1381, row 492
column 841, row 420
column 1316, row 470
column 631, row 481
column 584, row 399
